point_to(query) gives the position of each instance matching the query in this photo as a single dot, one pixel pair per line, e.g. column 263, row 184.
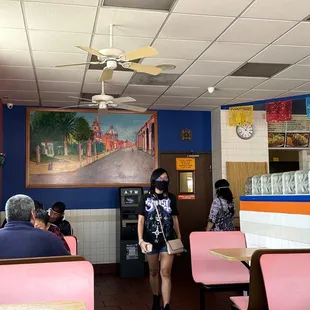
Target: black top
column 167, row 207
column 64, row 226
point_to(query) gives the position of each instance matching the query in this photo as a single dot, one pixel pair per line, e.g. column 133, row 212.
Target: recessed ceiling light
column 166, row 67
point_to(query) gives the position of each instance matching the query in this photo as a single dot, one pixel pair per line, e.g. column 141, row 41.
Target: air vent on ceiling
column 264, row 70
column 161, row 79
column 162, row 5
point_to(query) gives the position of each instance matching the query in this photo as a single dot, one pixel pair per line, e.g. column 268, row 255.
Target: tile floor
column 114, row 293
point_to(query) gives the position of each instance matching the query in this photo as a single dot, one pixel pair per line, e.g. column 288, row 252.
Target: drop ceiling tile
column 119, row 77
column 197, row 80
column 194, row 27
column 296, row 72
column 293, row 93
column 14, row 39
column 18, row 85
column 213, row 7
column 246, row 30
column 112, row 89
column 282, row 54
column 142, row 105
column 94, row 88
column 240, row 82
column 173, row 101
column 19, row 58
column 25, row 103
column 180, row 49
column 57, row 96
column 166, row 107
column 126, row 44
column 305, row 87
column 16, row 73
column 60, row 17
column 265, row 70
column 163, row 79
column 59, row 104
column 204, row 101
column 185, row 91
column 299, row 35
column 305, row 62
column 51, row 59
column 162, row 5
column 181, row 64
column 224, row 51
column 73, row 87
column 279, row 9
column 242, row 100
column 130, row 23
column 148, row 90
column 58, row 41
column 19, row 95
column 73, row 2
column 217, row 68
column 59, row 75
column 225, row 93
column 198, row 108
column 147, row 100
column 11, row 15
column 281, row 84
column 262, row 94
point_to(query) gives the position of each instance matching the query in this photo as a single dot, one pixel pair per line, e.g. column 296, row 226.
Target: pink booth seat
column 240, row 302
column 287, row 280
column 214, row 273
column 47, row 282
column 72, row 243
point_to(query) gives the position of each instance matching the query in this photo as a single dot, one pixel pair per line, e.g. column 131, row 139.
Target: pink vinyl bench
column 50, row 279
column 72, row 243
column 287, row 280
column 213, row 273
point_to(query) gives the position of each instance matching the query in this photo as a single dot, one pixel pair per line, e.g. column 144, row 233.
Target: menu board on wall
column 291, row 134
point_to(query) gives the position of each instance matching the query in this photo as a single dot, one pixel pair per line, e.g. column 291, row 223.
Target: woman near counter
column 222, row 210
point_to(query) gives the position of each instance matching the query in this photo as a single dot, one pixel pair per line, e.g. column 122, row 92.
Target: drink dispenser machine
column 131, row 258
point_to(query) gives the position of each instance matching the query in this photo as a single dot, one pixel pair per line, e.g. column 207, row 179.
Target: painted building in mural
column 145, row 139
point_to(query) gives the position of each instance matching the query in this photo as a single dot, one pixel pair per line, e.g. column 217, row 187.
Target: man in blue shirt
column 19, row 238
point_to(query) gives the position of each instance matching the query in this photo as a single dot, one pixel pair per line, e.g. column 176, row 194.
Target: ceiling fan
column 113, row 57
column 103, row 102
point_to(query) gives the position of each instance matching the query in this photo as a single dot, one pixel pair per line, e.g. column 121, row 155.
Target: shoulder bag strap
column 161, row 225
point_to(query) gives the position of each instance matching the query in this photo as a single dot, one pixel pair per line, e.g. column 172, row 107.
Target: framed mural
column 80, row 148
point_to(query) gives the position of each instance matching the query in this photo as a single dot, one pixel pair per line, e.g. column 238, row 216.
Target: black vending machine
column 131, row 258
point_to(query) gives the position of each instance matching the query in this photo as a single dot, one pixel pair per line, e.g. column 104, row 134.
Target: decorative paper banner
column 308, row 107
column 279, row 111
column 240, row 116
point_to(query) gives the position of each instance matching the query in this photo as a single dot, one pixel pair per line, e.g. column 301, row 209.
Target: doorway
column 197, row 184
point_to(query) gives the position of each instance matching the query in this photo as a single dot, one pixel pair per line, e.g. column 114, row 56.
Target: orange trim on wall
column 276, row 207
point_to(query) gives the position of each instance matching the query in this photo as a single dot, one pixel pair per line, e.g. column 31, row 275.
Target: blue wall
column 170, row 123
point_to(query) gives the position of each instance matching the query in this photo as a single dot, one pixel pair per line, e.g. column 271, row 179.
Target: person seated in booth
column 57, row 217
column 42, row 222
column 38, row 206
column 19, row 238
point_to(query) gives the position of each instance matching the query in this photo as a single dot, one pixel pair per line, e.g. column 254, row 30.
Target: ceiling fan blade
column 83, row 99
column 106, row 75
column 89, row 50
column 123, row 100
column 145, row 69
column 131, row 107
column 80, row 64
column 143, row 52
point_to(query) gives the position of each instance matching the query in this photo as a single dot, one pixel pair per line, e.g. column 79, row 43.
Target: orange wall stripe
column 276, row 207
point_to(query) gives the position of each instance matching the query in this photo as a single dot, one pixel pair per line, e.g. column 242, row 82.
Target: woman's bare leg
column 166, row 262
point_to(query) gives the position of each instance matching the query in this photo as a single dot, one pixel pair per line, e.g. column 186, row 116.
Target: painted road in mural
column 137, row 165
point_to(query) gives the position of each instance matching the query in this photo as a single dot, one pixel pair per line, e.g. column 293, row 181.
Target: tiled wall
column 98, row 233
column 275, row 230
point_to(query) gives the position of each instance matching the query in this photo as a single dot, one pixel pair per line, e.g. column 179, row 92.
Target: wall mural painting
column 78, row 148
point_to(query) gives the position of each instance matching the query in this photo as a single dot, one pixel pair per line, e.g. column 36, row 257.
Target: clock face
column 245, row 132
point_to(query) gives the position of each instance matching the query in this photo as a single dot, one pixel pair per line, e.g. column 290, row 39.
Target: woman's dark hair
column 155, row 175
column 223, row 190
column 43, row 216
column 38, row 205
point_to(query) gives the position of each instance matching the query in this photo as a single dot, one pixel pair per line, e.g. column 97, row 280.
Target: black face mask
column 162, row 185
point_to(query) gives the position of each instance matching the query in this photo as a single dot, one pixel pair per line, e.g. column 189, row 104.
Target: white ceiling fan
column 103, row 102
column 113, row 57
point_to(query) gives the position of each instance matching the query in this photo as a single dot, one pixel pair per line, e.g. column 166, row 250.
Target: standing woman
column 222, row 210
column 150, row 236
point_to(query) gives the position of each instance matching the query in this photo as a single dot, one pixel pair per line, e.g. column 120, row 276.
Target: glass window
column 186, row 182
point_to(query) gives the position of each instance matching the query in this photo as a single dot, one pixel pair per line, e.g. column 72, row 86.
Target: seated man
column 19, row 238
column 57, row 217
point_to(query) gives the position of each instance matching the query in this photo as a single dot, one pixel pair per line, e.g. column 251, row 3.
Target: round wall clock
column 245, row 132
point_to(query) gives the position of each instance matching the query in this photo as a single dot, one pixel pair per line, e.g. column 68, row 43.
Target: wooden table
column 242, row 255
column 66, row 305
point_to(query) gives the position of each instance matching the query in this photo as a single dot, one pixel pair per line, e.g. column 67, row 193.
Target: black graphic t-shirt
column 167, row 207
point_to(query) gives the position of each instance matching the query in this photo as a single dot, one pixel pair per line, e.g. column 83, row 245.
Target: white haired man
column 19, row 238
